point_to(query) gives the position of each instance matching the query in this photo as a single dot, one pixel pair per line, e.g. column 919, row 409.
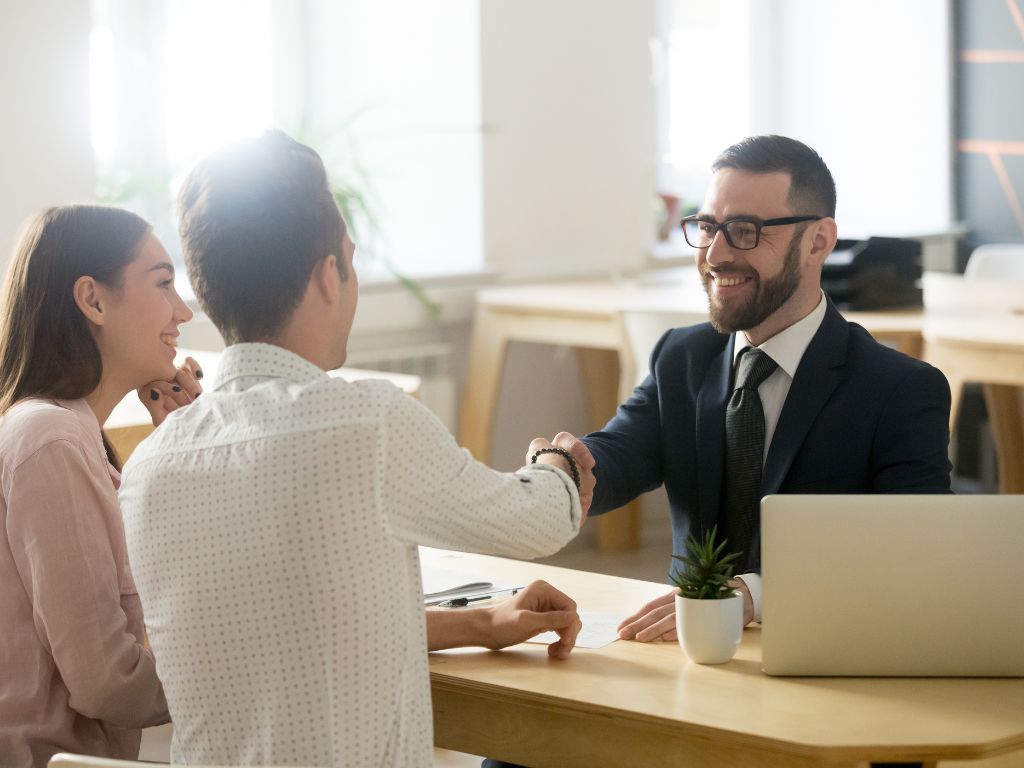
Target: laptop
column 904, row 586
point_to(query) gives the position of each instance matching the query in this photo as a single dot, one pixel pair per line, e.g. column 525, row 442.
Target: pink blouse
column 74, row 674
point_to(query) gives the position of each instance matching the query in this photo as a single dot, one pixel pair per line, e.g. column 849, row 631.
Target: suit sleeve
column 627, row 451
column 911, row 446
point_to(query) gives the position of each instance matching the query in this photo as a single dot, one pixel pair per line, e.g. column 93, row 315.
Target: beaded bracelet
column 573, row 469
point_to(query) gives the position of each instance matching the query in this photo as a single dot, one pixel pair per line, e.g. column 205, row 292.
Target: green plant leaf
column 706, row 570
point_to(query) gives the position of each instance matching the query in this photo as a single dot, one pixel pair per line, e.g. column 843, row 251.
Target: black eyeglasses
column 741, row 234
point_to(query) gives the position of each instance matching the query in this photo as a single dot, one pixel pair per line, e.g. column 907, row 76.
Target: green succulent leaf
column 705, row 571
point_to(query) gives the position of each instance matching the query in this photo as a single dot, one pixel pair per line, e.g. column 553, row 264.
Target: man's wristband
column 573, row 469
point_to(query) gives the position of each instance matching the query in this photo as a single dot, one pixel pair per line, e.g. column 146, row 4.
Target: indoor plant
column 709, row 613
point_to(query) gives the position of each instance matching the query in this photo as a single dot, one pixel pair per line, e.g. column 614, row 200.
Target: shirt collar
column 88, row 419
column 264, row 361
column 787, row 347
column 81, row 409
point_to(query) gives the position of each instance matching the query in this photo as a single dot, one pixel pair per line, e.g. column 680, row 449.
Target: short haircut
column 254, row 218
column 812, row 190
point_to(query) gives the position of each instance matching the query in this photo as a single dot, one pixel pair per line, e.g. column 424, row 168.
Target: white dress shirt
column 272, row 527
column 786, row 348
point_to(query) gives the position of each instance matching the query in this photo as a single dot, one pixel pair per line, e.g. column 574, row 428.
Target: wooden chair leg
column 1005, row 415
column 599, row 370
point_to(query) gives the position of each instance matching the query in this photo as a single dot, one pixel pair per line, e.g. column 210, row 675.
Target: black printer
column 877, row 273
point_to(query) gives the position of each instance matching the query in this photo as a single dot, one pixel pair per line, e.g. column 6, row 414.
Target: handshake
column 580, row 454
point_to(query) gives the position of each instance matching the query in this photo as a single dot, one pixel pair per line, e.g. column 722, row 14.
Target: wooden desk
column 587, row 317
column 989, row 349
column 130, row 422
column 635, row 704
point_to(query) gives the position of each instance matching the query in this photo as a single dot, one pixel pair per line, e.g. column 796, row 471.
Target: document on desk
column 442, row 584
column 599, row 630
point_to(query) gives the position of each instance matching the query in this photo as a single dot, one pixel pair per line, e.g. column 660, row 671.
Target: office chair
column 644, row 326
column 1002, row 263
column 996, row 261
column 65, row 760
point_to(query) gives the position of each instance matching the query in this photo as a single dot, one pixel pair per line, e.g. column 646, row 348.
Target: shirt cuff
column 753, row 582
column 575, row 510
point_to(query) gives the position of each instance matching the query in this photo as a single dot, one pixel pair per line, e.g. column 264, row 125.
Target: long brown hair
column 46, row 347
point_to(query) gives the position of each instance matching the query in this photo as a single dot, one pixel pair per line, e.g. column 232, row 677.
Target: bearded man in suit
column 777, row 393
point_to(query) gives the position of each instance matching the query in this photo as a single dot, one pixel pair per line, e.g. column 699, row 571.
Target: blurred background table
column 130, row 422
column 612, row 326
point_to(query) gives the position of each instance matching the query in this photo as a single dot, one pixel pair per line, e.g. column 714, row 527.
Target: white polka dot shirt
column 272, row 529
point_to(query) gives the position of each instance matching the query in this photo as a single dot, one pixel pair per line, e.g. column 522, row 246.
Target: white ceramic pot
column 709, row 631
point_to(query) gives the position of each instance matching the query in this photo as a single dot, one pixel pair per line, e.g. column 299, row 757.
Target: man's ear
column 326, row 278
column 87, row 297
column 823, row 239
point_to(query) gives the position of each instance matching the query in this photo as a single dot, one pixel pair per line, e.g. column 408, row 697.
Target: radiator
column 431, row 362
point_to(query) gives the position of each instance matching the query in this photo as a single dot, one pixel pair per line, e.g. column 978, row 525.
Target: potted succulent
column 709, row 613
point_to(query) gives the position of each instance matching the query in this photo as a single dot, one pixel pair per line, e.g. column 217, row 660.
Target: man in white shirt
column 778, row 393
column 272, row 524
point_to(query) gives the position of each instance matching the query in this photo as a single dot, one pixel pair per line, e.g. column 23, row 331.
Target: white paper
column 442, row 580
column 599, row 630
column 442, row 584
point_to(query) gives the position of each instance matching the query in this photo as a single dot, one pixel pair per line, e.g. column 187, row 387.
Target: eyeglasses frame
column 758, row 225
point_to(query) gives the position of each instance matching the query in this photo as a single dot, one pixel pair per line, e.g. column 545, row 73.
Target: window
column 864, row 82
column 392, row 106
column 171, row 81
column 704, row 55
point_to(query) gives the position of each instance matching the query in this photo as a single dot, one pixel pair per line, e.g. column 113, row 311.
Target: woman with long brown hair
column 89, row 313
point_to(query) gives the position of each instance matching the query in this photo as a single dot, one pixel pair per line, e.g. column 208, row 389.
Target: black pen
column 460, row 602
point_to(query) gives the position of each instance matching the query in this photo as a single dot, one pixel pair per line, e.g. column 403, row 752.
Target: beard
column 769, row 295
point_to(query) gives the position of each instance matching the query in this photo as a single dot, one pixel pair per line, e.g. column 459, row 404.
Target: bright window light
column 216, row 87
column 392, row 107
column 708, row 90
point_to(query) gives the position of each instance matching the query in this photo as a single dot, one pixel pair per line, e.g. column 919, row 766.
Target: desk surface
column 651, row 693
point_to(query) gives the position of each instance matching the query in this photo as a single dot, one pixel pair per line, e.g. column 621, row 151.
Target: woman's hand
column 162, row 397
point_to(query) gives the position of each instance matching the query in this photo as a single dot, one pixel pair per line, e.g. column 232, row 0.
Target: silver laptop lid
column 893, row 585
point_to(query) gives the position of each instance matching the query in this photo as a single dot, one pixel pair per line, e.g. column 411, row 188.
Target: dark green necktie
column 744, row 450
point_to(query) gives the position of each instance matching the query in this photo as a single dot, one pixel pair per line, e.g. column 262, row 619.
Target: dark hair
column 812, row 190
column 254, row 218
column 46, row 346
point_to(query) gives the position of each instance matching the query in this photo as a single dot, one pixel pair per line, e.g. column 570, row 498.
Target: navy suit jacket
column 859, row 418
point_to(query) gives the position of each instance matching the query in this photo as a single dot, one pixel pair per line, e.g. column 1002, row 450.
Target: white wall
column 568, row 135
column 568, row 174
column 401, row 79
column 867, row 83
column 45, row 150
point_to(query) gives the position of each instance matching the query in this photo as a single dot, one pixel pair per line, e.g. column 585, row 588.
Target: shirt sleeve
column 436, row 494
column 61, row 529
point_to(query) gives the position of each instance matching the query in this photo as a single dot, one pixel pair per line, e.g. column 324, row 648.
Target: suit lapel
column 817, row 376
column 711, row 402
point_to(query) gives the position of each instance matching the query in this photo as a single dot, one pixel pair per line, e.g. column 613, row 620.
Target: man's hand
column 538, row 608
column 584, row 463
column 656, row 620
column 748, row 602
column 162, row 397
